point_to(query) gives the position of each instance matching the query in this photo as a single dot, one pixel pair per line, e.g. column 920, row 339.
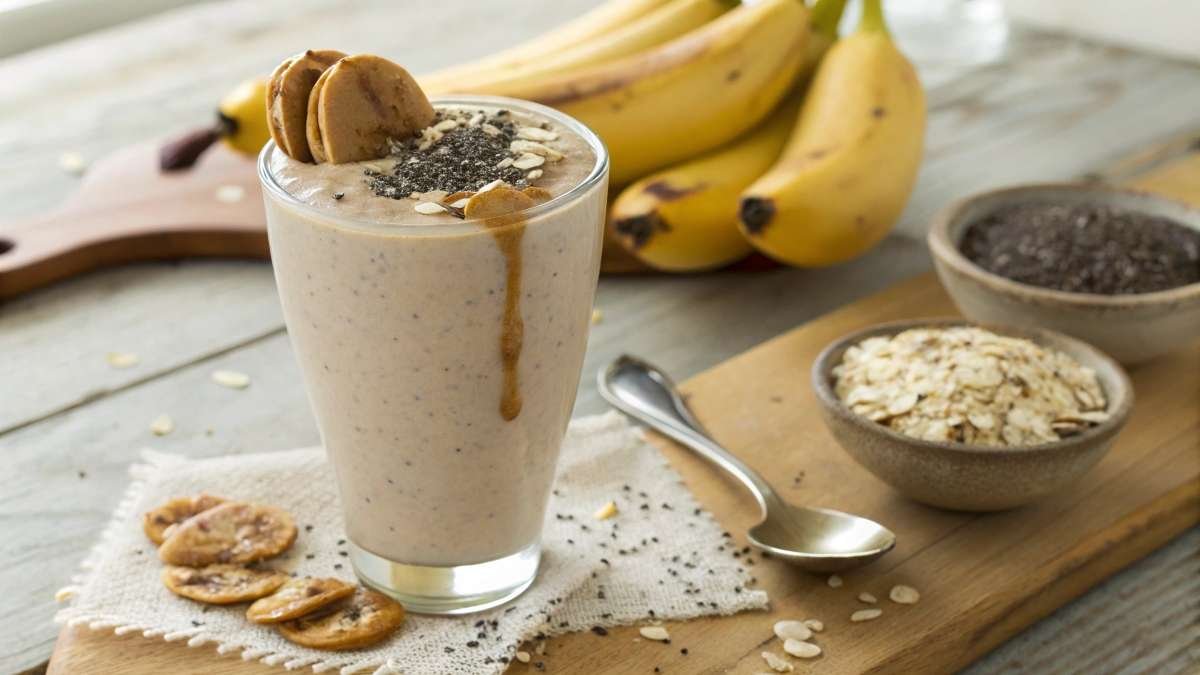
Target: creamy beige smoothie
column 441, row 355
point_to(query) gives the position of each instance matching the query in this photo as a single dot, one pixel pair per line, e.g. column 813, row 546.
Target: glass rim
column 598, row 172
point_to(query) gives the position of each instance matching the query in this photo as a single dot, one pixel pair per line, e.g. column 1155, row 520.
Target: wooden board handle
column 50, row 248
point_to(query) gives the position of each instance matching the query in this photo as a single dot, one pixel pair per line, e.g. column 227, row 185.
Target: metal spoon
column 818, row 540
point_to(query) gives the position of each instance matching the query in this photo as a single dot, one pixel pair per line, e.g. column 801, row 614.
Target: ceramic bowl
column 1131, row 328
column 968, row 477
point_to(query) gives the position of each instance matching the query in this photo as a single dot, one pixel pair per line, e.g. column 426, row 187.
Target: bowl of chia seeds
column 1119, row 269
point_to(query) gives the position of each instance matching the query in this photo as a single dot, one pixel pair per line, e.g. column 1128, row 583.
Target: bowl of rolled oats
column 970, row 417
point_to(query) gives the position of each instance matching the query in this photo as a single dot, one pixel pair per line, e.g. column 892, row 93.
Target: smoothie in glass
column 442, row 354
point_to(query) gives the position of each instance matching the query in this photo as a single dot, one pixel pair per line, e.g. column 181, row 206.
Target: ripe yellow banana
column 851, row 163
column 684, row 218
column 689, row 95
column 661, row 25
column 600, row 21
column 242, row 117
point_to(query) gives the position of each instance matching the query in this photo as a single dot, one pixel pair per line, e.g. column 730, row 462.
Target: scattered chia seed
column 599, row 630
column 1085, row 248
column 464, row 158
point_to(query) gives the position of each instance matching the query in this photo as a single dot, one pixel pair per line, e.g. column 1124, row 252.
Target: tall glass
column 441, row 362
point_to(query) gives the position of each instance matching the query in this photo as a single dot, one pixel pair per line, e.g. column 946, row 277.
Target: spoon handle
column 646, row 394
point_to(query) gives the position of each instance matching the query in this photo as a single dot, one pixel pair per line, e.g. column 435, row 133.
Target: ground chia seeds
column 1085, row 248
column 464, row 158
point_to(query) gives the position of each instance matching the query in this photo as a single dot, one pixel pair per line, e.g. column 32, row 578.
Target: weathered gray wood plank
column 168, row 315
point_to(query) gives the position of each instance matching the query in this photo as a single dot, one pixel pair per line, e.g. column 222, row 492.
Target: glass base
column 459, row 589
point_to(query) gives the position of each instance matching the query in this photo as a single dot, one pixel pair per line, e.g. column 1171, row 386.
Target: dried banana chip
column 222, row 584
column 297, row 598
column 496, row 203
column 234, row 532
column 358, row 621
column 155, row 523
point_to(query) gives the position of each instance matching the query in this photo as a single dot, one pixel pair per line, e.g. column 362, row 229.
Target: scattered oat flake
column 72, row 163
column 801, row 649
column 504, row 163
column 904, row 595
column 231, row 379
column 445, row 125
column 834, row 581
column 64, row 594
column 162, row 425
column 230, row 194
column 866, row 615
column 534, row 175
column 777, row 663
column 428, row 208
column 523, row 657
column 792, row 630
column 597, row 316
column 654, row 633
column 605, row 512
column 461, row 204
column 122, row 359
column 867, row 597
column 816, row 625
column 489, row 129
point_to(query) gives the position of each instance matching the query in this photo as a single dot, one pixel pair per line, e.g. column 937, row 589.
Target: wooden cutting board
column 983, row 577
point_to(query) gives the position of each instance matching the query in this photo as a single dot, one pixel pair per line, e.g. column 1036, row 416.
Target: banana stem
column 825, row 17
column 872, row 17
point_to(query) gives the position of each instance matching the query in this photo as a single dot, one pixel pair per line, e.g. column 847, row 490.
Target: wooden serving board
column 126, row 210
column 983, row 577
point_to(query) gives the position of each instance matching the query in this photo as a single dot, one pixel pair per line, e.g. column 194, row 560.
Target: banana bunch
column 730, row 126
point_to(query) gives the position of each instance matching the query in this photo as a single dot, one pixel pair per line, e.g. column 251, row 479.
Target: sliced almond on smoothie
column 156, row 522
column 364, row 619
column 297, row 598
column 222, row 584
column 496, row 202
column 287, row 99
column 234, row 532
column 360, row 103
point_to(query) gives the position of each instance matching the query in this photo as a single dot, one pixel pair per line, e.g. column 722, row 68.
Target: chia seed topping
column 463, row 157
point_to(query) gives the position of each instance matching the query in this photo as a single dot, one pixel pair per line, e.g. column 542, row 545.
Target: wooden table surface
column 1054, row 108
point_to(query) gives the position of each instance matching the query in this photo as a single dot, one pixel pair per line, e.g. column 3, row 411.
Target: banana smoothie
column 438, row 300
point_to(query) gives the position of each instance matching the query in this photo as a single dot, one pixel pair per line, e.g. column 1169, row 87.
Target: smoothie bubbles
column 436, row 263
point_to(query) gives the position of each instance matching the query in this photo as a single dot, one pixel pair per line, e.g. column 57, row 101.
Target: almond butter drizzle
column 508, row 231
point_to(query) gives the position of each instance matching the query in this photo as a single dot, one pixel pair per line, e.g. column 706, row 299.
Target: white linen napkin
column 662, row 557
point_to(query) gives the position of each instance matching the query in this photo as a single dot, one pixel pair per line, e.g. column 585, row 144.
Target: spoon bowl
column 815, row 539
